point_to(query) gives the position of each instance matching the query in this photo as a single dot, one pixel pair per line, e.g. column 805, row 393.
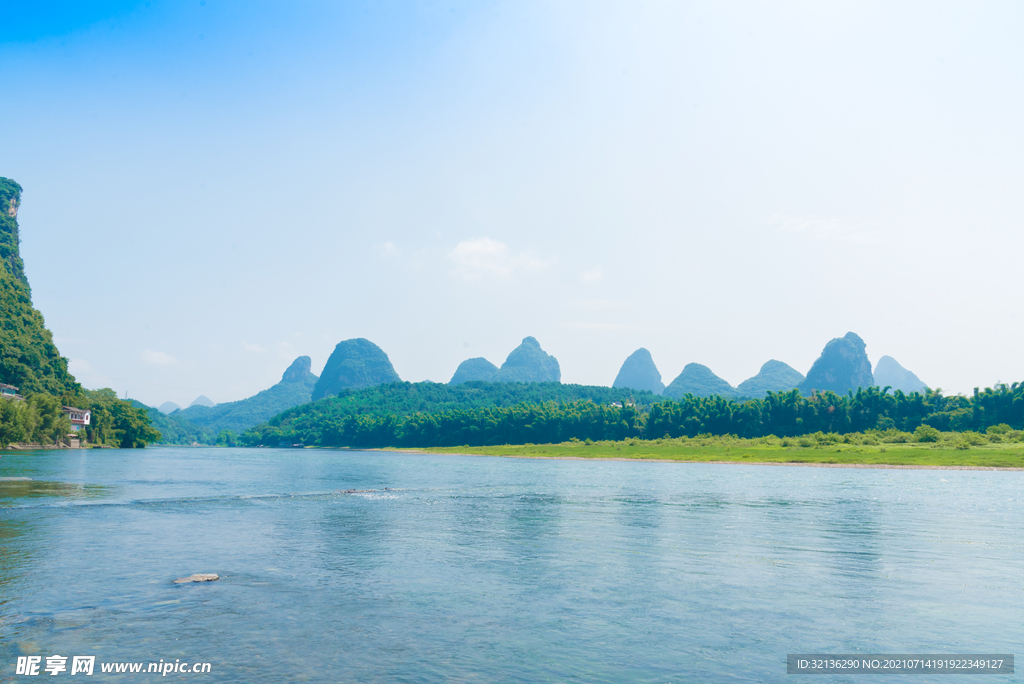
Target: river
column 341, row 566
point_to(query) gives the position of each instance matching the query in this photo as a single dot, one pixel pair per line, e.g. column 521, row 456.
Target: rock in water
column 889, row 373
column 639, row 372
column 842, row 366
column 298, row 371
column 699, row 381
column 354, row 364
column 774, row 376
column 198, row 577
column 474, row 369
column 529, row 363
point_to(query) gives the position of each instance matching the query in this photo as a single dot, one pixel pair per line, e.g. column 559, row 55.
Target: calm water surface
column 478, row 569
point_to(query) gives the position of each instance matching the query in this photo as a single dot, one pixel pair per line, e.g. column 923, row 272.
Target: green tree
column 12, row 422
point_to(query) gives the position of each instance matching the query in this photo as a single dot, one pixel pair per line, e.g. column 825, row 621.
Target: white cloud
column 254, row 348
column 475, row 259
column 828, row 229
column 388, row 249
column 157, row 358
column 592, row 275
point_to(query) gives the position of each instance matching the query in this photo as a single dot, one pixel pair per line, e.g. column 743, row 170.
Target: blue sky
column 212, row 189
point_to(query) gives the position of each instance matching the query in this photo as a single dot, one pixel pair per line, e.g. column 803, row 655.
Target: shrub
column 894, row 436
column 1000, row 429
column 926, row 433
column 973, row 438
column 826, row 438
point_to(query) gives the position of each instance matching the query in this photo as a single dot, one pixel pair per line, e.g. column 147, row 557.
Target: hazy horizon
column 213, row 189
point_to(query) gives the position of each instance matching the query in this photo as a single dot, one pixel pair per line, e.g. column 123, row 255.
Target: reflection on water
column 466, row 568
column 13, row 490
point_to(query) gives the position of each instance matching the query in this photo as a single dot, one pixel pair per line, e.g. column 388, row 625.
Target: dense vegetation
column 40, row 420
column 428, row 414
column 370, row 416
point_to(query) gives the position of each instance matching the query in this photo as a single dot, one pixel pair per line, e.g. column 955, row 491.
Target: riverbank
column 902, row 456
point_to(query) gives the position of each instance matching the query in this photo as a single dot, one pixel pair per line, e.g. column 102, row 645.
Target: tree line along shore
column 425, row 415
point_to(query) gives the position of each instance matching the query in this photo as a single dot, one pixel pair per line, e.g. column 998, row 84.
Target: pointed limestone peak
column 298, row 371
column 889, row 373
column 842, row 366
column 529, row 363
column 639, row 372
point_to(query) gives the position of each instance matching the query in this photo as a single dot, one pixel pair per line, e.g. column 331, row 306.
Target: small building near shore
column 79, row 417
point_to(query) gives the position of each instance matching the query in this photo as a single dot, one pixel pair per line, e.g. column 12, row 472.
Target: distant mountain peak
column 354, row 363
column 168, row 407
column 202, row 400
column 842, row 366
column 474, row 369
column 700, row 381
column 774, row 376
column 889, row 373
column 639, row 372
column 529, row 363
column 299, row 370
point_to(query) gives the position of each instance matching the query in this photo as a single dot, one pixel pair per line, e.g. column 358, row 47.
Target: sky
column 213, row 188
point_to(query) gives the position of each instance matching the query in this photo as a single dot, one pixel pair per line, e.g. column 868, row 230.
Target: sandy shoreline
column 879, row 466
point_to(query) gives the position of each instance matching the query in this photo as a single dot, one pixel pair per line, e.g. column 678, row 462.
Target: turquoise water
column 477, row 569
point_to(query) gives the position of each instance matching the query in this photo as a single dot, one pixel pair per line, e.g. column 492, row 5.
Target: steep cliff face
column 529, row 363
column 10, row 239
column 299, row 371
column 639, row 372
column 774, row 376
column 28, row 358
column 474, row 369
column 699, row 381
column 889, row 373
column 842, row 366
column 354, row 363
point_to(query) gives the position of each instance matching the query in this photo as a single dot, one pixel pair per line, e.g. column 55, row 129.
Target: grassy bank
column 768, row 450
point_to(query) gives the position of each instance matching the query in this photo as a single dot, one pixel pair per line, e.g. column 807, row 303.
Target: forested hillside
column 418, row 416
column 28, row 358
column 30, row 361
